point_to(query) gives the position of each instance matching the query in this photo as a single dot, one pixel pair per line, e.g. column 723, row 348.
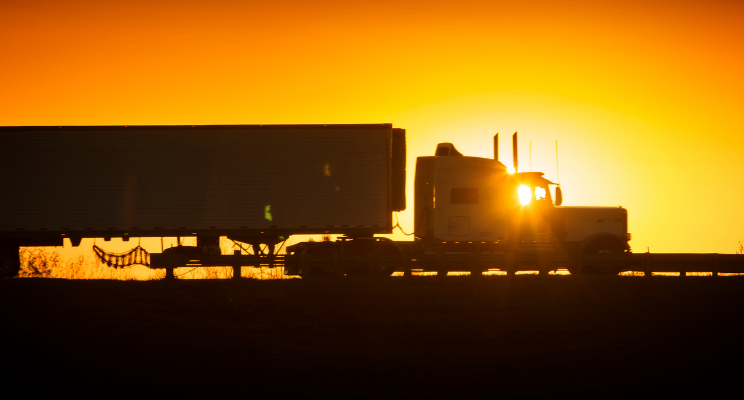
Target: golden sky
column 643, row 97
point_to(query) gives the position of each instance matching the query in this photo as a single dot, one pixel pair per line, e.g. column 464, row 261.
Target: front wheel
column 602, row 245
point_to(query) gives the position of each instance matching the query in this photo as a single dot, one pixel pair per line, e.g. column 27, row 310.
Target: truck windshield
column 540, row 193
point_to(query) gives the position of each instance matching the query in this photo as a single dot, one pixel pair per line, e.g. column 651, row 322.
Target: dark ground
column 513, row 336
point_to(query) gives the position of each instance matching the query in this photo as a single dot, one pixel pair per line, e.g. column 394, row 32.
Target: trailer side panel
column 90, row 181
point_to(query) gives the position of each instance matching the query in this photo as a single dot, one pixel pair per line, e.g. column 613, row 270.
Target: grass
column 38, row 262
column 227, row 273
column 42, row 262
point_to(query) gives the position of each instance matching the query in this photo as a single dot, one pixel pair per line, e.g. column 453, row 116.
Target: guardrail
column 670, row 262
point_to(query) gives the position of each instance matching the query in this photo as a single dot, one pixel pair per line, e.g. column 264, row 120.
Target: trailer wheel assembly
column 321, row 259
column 601, row 245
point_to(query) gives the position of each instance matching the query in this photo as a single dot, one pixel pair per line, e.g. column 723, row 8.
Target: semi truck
column 257, row 185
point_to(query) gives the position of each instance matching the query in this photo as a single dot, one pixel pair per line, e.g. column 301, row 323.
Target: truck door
column 462, row 199
column 459, row 226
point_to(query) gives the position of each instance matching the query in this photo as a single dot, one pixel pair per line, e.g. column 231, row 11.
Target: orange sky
column 644, row 98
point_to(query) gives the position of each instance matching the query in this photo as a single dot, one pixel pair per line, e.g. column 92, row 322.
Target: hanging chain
column 137, row 255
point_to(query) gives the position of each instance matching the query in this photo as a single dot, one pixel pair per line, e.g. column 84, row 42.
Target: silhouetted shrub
column 38, row 263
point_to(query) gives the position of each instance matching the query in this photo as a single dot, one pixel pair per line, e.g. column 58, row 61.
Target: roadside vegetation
column 44, row 262
column 40, row 262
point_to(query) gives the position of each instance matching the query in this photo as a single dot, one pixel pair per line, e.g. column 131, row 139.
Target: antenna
column 558, row 191
column 496, row 147
column 515, row 155
column 557, row 174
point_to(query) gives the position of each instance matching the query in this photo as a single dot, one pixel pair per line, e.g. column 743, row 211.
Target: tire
column 388, row 258
column 10, row 261
column 602, row 245
column 323, row 251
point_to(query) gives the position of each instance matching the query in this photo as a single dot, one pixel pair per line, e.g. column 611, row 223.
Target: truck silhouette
column 259, row 184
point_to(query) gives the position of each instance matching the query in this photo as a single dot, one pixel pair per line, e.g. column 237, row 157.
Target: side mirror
column 558, row 196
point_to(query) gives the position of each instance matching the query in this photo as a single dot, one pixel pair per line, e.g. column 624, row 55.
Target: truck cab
column 461, row 199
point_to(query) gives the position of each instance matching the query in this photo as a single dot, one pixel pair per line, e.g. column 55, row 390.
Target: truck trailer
column 260, row 184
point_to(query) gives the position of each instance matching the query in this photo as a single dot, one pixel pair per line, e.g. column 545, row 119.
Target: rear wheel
column 321, row 257
column 602, row 245
column 358, row 257
column 375, row 257
column 387, row 258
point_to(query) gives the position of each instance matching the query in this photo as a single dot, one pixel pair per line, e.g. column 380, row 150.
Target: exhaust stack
column 515, row 154
column 496, row 147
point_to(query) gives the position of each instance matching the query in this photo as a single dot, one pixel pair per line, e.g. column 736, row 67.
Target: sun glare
column 510, row 169
column 525, row 194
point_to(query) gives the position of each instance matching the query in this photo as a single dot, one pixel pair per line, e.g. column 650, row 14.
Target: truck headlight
column 525, row 194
